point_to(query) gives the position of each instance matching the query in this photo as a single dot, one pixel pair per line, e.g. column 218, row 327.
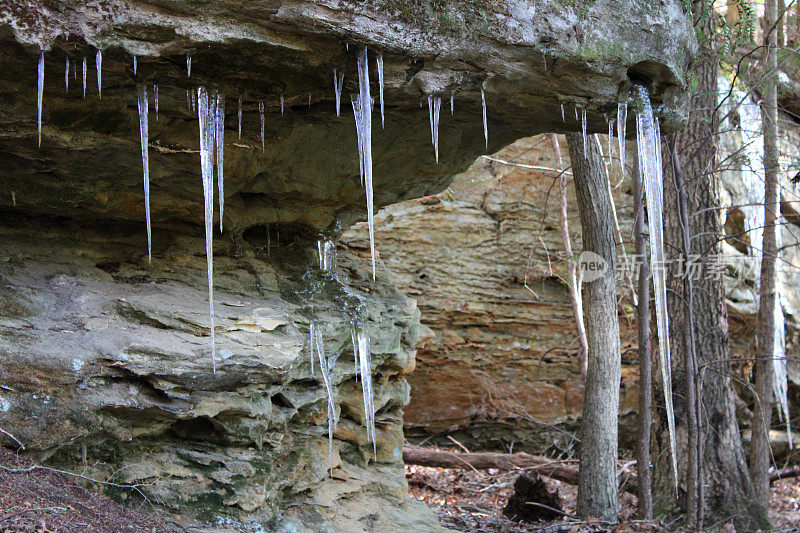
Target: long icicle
column 98, row 62
column 437, row 105
column 365, row 367
column 40, row 95
column 141, row 100
column 649, row 153
column 485, row 124
column 188, row 66
column 205, row 114
column 338, row 82
column 366, row 142
column 155, row 100
column 622, row 122
column 261, row 116
column 219, row 140
column 239, row 115
column 379, row 61
column 66, row 76
column 84, row 77
column 135, row 65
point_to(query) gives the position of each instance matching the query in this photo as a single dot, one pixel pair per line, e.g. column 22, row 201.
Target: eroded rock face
column 104, row 353
column 105, row 359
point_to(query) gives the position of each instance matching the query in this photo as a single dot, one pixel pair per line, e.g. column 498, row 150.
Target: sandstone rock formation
column 104, row 359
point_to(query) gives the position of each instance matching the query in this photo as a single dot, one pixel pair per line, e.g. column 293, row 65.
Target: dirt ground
column 467, row 500
column 39, row 500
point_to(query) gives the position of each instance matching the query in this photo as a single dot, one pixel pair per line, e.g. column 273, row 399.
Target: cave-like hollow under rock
column 105, row 359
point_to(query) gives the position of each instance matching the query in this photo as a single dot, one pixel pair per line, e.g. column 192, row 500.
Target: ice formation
column 141, row 100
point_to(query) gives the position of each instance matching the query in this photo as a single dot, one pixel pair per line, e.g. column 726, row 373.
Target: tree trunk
column 728, row 490
column 645, row 489
column 762, row 413
column 597, row 489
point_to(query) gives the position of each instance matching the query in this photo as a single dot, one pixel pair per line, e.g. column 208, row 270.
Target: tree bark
column 762, row 413
column 729, row 492
column 645, row 488
column 597, row 488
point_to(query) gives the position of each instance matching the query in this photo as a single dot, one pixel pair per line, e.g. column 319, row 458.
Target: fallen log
column 785, row 473
column 560, row 470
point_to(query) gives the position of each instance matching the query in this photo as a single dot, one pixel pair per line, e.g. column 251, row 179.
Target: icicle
column 649, row 152
column 583, row 129
column 365, row 367
column 354, row 100
column 485, row 125
column 84, row 77
column 309, row 100
column 188, row 66
column 220, row 144
column 326, row 250
column 326, row 369
column 575, row 108
column 205, row 114
column 365, row 133
column 780, row 382
column 451, row 104
column 75, row 70
column 380, row 84
column 562, row 114
column 98, row 62
column 312, row 341
column 239, row 115
column 188, row 100
column 66, row 76
column 338, row 83
column 434, row 105
column 281, row 105
column 40, row 95
column 194, row 101
column 155, row 100
column 141, row 100
column 134, row 65
column 622, row 122
column 610, row 142
column 261, row 116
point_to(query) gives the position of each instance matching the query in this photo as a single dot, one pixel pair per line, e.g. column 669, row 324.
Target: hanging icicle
column 562, row 114
column 281, row 105
column 365, row 134
column 451, row 104
column 239, row 115
column 66, row 75
column 610, row 143
column 134, row 65
column 98, row 61
column 40, row 95
column 622, row 122
column 434, row 105
column 365, row 368
column 485, row 124
column 261, row 116
column 326, row 365
column 155, row 100
column 583, row 129
column 84, row 77
column 219, row 140
column 379, row 61
column 188, row 66
column 205, row 114
column 338, row 83
column 141, row 100
column 648, row 137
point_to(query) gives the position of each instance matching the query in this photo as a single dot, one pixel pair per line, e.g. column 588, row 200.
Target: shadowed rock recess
column 105, row 360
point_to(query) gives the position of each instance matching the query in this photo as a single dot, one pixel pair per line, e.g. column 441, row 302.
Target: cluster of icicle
column 648, row 137
column 326, row 250
column 211, row 115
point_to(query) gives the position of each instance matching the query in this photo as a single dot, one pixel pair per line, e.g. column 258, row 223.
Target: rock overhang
column 530, row 58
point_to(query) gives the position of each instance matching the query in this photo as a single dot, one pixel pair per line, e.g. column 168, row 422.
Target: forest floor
column 471, row 500
column 36, row 499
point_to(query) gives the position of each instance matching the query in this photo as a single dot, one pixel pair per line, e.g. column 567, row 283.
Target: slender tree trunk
column 762, row 414
column 597, row 488
column 694, row 486
column 725, row 478
column 645, row 488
